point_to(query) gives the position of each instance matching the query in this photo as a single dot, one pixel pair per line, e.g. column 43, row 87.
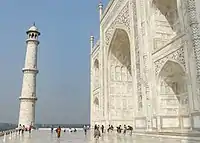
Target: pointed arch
column 169, row 9
column 119, row 64
column 173, row 94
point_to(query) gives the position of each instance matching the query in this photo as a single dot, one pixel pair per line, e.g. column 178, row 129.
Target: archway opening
column 173, row 90
column 96, row 95
column 96, row 107
column 166, row 21
column 96, row 73
column 120, row 79
column 168, row 9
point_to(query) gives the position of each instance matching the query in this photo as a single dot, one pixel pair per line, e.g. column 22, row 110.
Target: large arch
column 120, row 105
column 173, row 93
column 169, row 11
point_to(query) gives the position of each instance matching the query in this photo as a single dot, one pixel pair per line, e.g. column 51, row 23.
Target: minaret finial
column 33, row 23
column 100, row 9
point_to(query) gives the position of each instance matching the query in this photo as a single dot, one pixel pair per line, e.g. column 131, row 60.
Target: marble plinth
column 79, row 137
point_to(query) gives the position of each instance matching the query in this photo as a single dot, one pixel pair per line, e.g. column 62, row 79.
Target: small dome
column 33, row 29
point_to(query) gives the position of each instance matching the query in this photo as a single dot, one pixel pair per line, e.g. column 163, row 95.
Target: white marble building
column 145, row 68
column 28, row 94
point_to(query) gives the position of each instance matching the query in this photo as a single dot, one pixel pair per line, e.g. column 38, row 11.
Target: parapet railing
column 7, row 132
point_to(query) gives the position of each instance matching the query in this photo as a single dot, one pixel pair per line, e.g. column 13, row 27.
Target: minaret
column 100, row 10
column 91, row 43
column 28, row 94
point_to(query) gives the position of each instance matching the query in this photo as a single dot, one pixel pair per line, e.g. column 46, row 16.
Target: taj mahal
column 145, row 67
column 144, row 74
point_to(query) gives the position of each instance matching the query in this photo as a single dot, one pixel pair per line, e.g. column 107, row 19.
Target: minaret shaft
column 28, row 94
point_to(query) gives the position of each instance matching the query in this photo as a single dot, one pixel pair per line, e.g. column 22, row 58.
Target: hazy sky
column 63, row 62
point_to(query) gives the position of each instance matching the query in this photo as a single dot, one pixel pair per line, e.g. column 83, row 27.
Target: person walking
column 58, row 131
column 85, row 129
column 97, row 133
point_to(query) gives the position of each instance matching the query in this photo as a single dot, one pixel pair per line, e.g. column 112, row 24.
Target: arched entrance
column 120, row 80
column 173, row 94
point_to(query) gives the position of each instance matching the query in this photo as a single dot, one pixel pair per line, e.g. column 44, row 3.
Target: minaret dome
column 33, row 33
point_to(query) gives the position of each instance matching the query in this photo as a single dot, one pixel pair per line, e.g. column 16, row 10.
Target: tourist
column 102, row 129
column 125, row 128
column 51, row 129
column 30, row 128
column 85, row 129
column 109, row 127
column 97, row 133
column 119, row 130
column 20, row 128
column 131, row 129
column 23, row 129
column 95, row 126
column 58, row 131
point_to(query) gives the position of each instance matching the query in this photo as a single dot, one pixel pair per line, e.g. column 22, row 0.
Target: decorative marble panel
column 170, row 122
column 122, row 19
column 196, row 121
column 186, row 122
column 140, row 123
column 154, row 124
column 137, row 54
column 177, row 55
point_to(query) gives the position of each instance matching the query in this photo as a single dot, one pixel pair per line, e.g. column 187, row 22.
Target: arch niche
column 96, row 73
column 173, row 93
column 167, row 21
column 96, row 101
column 168, row 11
column 120, row 79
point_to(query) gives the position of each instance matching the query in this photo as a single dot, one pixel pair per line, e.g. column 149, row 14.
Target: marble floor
column 79, row 137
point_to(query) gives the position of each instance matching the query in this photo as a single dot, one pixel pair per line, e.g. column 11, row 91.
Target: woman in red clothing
column 58, row 131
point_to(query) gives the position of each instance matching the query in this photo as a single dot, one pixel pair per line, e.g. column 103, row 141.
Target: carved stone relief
column 137, row 55
column 122, row 19
column 195, row 37
column 177, row 55
column 111, row 13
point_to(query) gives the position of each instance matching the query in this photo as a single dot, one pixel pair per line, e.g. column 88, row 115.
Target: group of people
column 98, row 130
column 21, row 129
column 119, row 129
column 111, row 128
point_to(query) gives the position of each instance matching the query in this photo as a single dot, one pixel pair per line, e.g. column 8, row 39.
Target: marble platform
column 41, row 136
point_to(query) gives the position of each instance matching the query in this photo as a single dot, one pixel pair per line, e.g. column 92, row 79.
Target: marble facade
column 145, row 68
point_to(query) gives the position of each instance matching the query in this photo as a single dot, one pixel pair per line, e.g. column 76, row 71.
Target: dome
column 33, row 29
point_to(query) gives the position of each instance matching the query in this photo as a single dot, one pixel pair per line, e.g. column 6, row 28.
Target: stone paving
column 79, row 137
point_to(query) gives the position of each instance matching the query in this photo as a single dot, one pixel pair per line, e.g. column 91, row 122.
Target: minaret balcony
column 33, row 40
column 33, row 70
column 28, row 98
